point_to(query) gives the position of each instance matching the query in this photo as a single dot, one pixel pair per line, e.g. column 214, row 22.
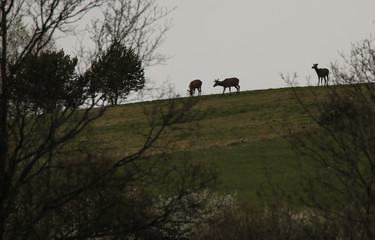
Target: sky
column 256, row 40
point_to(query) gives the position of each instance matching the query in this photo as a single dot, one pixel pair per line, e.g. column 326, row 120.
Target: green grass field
column 241, row 135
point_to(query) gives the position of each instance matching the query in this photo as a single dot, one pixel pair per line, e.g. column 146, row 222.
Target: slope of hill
column 238, row 134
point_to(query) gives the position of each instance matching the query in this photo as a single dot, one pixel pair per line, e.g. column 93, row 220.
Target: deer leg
column 238, row 88
column 224, row 90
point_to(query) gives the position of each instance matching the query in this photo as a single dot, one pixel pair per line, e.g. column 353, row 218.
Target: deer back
column 323, row 72
column 230, row 82
column 195, row 84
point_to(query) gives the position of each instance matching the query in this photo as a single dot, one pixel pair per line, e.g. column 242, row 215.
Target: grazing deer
column 229, row 82
column 195, row 84
column 322, row 74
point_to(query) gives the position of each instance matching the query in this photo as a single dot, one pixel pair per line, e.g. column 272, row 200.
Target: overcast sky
column 255, row 40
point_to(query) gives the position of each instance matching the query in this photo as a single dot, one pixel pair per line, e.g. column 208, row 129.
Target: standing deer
column 195, row 84
column 322, row 74
column 229, row 82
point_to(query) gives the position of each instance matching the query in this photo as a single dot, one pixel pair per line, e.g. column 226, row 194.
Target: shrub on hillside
column 272, row 223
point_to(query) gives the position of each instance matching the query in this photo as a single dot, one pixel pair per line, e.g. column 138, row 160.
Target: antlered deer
column 322, row 74
column 195, row 84
column 229, row 82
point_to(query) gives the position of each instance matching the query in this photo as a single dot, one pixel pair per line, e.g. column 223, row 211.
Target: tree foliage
column 47, row 82
column 116, row 73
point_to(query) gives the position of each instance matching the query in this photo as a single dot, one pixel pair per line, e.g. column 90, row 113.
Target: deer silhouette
column 229, row 82
column 322, row 74
column 195, row 84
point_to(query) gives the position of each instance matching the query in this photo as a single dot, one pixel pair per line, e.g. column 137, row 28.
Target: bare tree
column 50, row 186
column 25, row 141
column 135, row 24
column 340, row 176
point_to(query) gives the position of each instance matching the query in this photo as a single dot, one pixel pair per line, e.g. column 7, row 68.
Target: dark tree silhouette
column 54, row 182
column 47, row 82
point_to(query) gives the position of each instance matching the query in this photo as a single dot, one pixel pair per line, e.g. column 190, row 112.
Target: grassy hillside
column 239, row 134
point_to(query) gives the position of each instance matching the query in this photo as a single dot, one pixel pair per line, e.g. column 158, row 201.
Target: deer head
column 216, row 81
